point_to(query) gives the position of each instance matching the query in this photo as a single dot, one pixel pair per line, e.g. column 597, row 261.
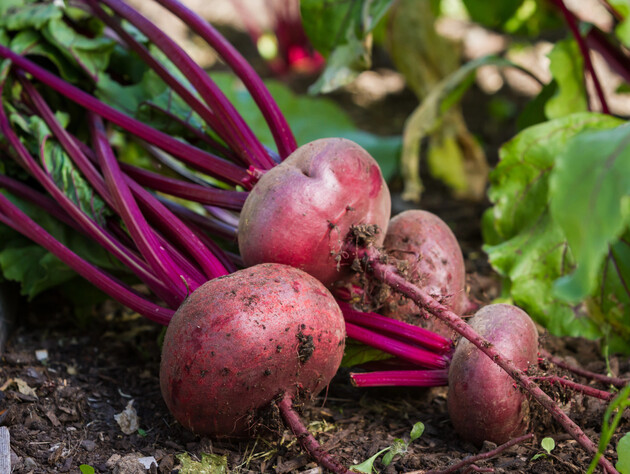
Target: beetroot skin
column 240, row 341
column 301, row 211
column 484, row 402
column 435, row 263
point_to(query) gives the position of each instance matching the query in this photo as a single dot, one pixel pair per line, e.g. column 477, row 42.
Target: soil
column 64, row 383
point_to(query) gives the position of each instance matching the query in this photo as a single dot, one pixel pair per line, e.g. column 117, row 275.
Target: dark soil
column 60, row 411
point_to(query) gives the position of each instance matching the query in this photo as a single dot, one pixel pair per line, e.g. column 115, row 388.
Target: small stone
column 30, row 463
column 88, row 445
column 128, row 419
column 147, row 462
column 41, row 355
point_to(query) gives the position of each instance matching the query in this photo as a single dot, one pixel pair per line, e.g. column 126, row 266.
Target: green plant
column 548, row 444
column 398, row 447
column 612, row 417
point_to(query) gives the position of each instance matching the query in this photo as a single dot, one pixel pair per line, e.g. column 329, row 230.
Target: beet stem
column 306, row 439
column 570, row 19
column 278, row 125
column 388, row 274
column 12, row 216
column 411, row 353
column 578, row 387
column 224, row 198
column 203, row 110
column 614, row 381
column 239, row 135
column 401, row 378
column 481, row 456
column 143, row 235
column 416, row 334
column 202, row 160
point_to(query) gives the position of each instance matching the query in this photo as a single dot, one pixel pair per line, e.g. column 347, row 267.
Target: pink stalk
column 193, row 192
column 143, row 236
column 575, row 31
column 415, row 354
column 173, row 227
column 616, row 59
column 614, row 381
column 399, row 329
column 214, row 226
column 306, row 439
column 16, row 219
column 578, row 387
column 159, row 215
column 199, row 134
column 401, row 378
column 278, row 125
column 195, row 104
column 479, row 457
column 87, row 224
column 19, row 189
column 239, row 135
column 201, row 160
column 389, row 275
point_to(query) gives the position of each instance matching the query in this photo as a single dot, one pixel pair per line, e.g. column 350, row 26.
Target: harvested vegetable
column 241, row 341
column 484, row 403
column 301, row 211
column 434, row 262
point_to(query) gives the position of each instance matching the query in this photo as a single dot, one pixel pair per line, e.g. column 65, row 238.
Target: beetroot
column 301, row 211
column 484, row 403
column 240, row 341
column 434, row 262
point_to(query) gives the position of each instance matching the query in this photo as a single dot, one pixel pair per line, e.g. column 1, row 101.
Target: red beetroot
column 435, row 263
column 301, row 211
column 484, row 402
column 240, row 341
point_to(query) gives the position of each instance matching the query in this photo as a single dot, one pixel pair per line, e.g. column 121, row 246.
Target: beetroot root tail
column 306, row 439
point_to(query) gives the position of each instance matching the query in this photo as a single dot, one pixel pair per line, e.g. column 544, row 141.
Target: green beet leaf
column 341, row 32
column 90, row 54
column 590, row 186
column 356, row 353
column 525, row 245
column 492, row 14
column 20, row 16
column 623, row 451
column 589, row 199
column 567, row 67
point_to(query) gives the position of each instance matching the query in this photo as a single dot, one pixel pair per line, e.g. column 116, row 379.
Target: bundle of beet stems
column 173, row 250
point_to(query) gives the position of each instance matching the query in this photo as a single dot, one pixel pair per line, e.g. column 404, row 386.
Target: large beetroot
column 241, row 341
column 301, row 211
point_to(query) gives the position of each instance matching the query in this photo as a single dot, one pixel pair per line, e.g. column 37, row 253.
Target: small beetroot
column 434, row 262
column 484, row 402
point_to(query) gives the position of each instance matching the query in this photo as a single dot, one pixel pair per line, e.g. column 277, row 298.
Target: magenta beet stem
column 415, row 354
column 393, row 327
column 16, row 219
column 578, row 387
column 306, row 439
column 401, row 378
column 278, row 125
column 201, row 160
